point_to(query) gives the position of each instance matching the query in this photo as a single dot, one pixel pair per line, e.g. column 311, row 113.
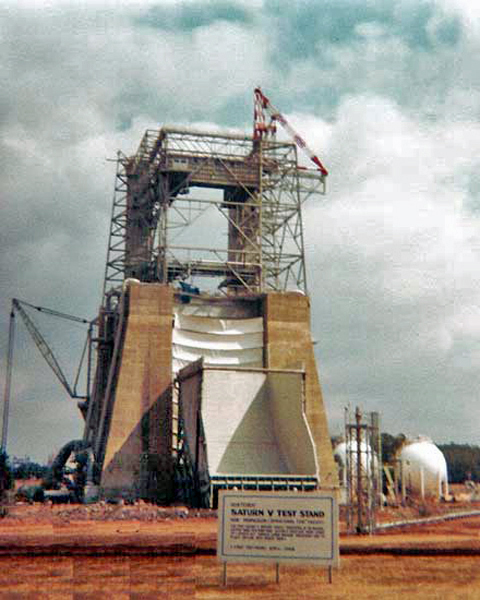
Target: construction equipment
column 264, row 130
column 46, row 352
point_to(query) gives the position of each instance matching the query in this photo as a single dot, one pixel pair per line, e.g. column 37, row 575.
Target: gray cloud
column 188, row 17
column 397, row 274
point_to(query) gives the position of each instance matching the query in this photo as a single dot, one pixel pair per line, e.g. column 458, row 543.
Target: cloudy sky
column 387, row 93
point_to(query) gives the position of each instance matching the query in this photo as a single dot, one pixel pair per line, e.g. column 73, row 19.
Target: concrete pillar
column 138, row 459
column 288, row 345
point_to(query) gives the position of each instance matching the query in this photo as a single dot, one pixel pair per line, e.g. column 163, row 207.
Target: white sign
column 278, row 527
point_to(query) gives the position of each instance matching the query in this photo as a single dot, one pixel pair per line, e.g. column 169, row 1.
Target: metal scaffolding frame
column 163, row 189
column 364, row 471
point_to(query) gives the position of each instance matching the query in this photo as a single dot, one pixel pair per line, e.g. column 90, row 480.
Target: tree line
column 463, row 461
column 24, row 470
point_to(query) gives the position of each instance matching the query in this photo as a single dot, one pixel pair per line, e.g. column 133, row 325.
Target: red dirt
column 61, row 552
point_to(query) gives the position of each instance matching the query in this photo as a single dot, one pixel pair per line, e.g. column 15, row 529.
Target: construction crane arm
column 54, row 313
column 43, row 347
column 262, row 103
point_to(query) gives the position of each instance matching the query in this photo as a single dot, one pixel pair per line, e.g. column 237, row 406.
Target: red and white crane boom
column 262, row 129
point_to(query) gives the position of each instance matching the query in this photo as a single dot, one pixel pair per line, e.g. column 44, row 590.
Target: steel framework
column 364, row 472
column 167, row 186
column 18, row 307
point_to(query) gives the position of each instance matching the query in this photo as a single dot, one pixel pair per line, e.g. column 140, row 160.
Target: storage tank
column 424, row 468
column 368, row 459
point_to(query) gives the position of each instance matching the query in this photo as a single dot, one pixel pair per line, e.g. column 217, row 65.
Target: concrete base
column 288, row 345
column 138, row 461
column 137, row 420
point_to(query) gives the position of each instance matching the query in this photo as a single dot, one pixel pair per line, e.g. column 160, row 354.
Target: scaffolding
column 169, row 185
column 363, row 469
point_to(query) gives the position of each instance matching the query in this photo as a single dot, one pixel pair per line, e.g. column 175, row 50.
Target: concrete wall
column 253, row 423
column 295, row 441
column 238, row 424
column 288, row 345
column 138, row 449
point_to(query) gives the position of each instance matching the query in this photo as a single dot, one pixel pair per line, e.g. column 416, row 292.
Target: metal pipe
column 8, row 380
column 358, row 418
column 429, row 520
column 89, row 360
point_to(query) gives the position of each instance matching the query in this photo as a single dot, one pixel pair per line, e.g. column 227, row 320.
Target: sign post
column 278, row 527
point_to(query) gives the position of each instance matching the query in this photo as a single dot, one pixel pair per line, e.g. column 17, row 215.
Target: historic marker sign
column 278, row 527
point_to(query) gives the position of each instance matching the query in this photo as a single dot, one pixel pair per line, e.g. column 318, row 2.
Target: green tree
column 390, row 445
column 28, row 470
column 463, row 461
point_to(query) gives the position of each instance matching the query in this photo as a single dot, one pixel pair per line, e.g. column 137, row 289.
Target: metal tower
column 160, row 193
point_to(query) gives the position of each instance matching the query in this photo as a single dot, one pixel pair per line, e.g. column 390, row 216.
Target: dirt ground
column 86, row 552
column 175, row 578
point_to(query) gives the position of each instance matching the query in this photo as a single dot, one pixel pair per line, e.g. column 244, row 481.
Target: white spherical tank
column 424, row 468
column 340, row 457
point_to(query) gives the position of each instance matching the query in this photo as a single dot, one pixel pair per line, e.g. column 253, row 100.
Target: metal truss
column 167, row 188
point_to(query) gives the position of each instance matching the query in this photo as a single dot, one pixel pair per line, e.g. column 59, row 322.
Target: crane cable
column 54, row 313
column 44, row 350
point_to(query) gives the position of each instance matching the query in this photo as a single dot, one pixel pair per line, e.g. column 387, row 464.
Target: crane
column 262, row 129
column 46, row 352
